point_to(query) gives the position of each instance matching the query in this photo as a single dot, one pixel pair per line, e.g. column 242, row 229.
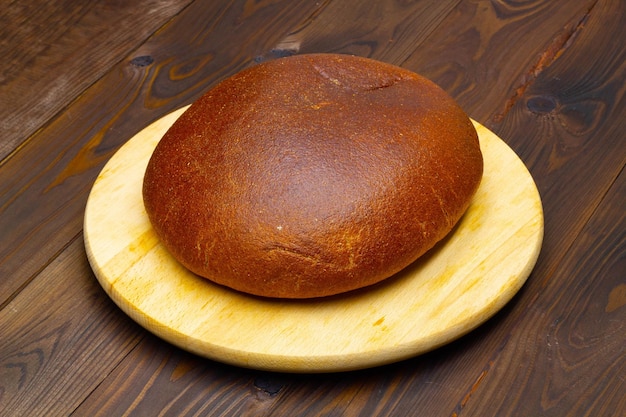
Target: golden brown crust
column 312, row 175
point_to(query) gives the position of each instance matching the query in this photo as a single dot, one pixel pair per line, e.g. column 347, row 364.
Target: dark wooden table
column 78, row 79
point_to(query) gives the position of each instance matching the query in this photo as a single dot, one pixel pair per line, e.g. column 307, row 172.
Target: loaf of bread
column 312, row 175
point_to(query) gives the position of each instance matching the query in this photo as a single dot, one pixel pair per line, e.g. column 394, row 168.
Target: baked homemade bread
column 312, row 175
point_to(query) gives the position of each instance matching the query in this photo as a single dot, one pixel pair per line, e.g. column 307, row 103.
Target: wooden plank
column 158, row 378
column 56, row 339
column 384, row 30
column 38, row 43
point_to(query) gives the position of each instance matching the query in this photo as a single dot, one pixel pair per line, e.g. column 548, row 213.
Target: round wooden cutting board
column 451, row 290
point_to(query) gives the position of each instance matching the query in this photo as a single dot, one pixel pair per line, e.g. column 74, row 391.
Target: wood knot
column 142, row 61
column 271, row 386
column 541, row 104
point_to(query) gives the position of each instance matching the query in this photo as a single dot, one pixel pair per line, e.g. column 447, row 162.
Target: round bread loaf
column 312, row 175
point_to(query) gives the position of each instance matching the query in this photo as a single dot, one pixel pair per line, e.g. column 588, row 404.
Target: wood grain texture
column 385, row 30
column 56, row 340
column 481, row 56
column 158, row 378
column 546, row 76
column 54, row 50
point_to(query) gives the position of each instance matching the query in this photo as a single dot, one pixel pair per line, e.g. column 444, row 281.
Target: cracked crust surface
column 312, row 175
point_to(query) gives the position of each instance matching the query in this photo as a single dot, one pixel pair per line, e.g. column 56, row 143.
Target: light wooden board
column 448, row 292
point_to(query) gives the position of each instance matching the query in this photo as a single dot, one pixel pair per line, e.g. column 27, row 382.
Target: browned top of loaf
column 312, row 175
